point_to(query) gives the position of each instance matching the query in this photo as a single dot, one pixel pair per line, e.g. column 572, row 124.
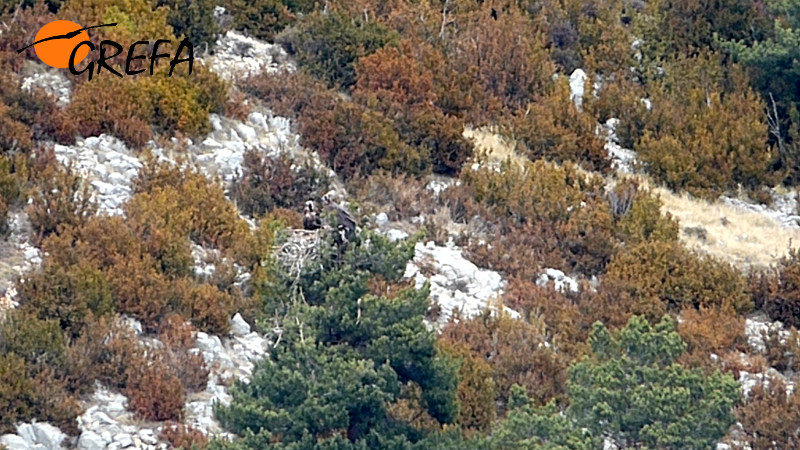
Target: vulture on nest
column 311, row 218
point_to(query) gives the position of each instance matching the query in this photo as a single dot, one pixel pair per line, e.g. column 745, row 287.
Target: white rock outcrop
column 36, row 435
column 54, row 82
column 561, row 282
column 456, row 284
column 237, row 56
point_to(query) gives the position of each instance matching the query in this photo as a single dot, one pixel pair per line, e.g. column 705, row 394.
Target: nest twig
column 298, row 251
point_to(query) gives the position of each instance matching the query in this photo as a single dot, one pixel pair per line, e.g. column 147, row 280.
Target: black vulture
column 344, row 219
column 311, row 218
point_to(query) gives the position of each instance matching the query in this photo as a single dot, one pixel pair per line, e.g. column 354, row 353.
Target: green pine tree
column 629, row 390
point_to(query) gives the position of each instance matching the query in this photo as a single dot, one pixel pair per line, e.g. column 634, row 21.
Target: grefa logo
column 64, row 44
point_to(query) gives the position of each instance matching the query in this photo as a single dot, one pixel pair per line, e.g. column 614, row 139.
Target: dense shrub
column 24, row 398
column 553, row 128
column 268, row 183
column 355, row 141
column 506, row 59
column 777, row 291
column 704, row 138
column 122, row 110
column 132, row 108
column 70, row 295
column 545, row 212
column 154, row 392
column 136, row 19
column 328, row 45
column 713, row 330
column 676, row 277
column 60, row 198
column 193, row 20
column 211, row 219
column 770, row 416
column 262, row 19
column 40, row 342
column 392, row 81
column 638, row 215
column 517, row 353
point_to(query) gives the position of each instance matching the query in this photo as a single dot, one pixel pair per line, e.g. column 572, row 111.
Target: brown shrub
column 184, row 437
column 769, row 416
column 517, row 352
column 69, row 294
column 677, row 277
column 103, row 352
column 642, row 219
column 553, row 128
column 567, row 324
column 154, row 392
column 59, row 198
column 41, row 397
column 506, row 59
column 476, row 387
column 777, row 291
column 268, row 183
column 122, row 110
column 161, row 227
column 40, row 342
column 206, row 214
column 208, row 308
column 140, row 290
column 717, row 329
column 704, row 140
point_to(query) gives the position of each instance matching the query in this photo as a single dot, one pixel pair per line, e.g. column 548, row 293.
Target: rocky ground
column 456, row 284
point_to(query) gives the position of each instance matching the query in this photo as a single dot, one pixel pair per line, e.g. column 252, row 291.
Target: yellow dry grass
column 497, row 148
column 734, row 234
column 737, row 235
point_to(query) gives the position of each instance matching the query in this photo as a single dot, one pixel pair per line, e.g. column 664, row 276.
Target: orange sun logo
column 56, row 40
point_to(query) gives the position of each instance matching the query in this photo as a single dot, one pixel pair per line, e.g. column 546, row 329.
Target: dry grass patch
column 739, row 236
column 496, row 147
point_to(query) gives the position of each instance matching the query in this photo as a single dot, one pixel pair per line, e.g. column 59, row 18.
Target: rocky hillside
column 447, row 225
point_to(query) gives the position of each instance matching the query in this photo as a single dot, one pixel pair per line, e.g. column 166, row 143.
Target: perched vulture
column 345, row 220
column 311, row 218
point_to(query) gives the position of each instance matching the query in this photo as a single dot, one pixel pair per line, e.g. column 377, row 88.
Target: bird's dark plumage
column 343, row 217
column 311, row 218
column 494, row 14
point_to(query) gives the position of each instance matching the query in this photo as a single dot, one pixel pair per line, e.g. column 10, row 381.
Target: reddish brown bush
column 184, row 437
column 770, row 417
column 677, row 277
column 517, row 353
column 208, row 308
column 268, row 183
column 154, row 392
column 777, row 290
column 717, row 330
column 59, row 198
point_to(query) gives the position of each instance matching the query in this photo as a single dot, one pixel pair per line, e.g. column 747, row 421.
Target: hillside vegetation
column 455, row 121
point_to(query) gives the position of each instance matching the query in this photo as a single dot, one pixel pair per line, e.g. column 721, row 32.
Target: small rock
column 124, row 440
column 48, row 435
column 148, row 437
column 90, row 440
column 25, row 430
column 14, row 442
column 238, row 326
